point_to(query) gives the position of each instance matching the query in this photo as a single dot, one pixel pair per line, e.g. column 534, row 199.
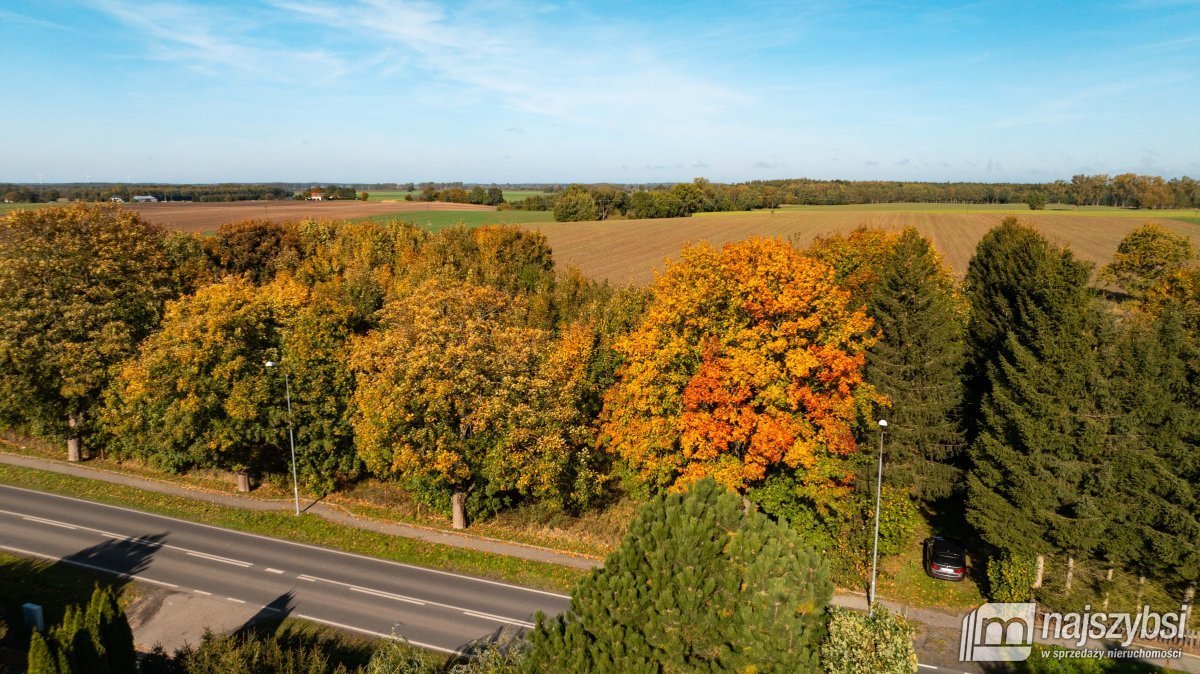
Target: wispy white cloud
column 564, row 72
column 16, row 17
column 1067, row 108
column 217, row 42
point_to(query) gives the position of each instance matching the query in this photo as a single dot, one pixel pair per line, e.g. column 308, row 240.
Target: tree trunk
column 1041, row 571
column 74, row 448
column 243, row 482
column 458, row 502
column 1070, row 571
column 1141, row 586
column 747, row 507
column 1107, row 590
column 1189, row 594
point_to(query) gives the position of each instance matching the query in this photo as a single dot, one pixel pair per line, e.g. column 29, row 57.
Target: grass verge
column 304, row 529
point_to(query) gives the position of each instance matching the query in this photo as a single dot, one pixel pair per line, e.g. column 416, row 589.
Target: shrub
column 1011, row 577
column 860, row 644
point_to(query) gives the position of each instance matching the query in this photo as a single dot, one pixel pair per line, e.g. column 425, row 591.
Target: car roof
column 947, row 546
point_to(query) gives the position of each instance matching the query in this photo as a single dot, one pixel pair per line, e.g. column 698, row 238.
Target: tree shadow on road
column 56, row 584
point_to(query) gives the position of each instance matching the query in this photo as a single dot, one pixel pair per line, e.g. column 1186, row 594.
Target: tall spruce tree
column 1155, row 530
column 106, row 621
column 698, row 584
column 917, row 364
column 1040, row 471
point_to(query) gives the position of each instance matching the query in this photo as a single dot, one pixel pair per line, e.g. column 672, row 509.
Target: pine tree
column 917, row 364
column 1039, row 470
column 698, row 584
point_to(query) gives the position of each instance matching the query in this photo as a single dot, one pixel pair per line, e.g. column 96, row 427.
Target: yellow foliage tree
column 748, row 358
column 436, row 381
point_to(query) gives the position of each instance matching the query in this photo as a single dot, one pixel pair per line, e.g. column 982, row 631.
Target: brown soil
column 206, row 217
column 629, row 251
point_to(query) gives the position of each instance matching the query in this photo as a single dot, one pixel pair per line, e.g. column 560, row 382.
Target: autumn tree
column 747, row 360
column 1147, row 257
column 916, row 364
column 698, row 584
column 256, row 248
column 857, row 258
column 198, row 394
column 80, row 286
column 435, row 382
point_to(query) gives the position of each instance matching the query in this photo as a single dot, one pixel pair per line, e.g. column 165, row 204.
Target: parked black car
column 945, row 558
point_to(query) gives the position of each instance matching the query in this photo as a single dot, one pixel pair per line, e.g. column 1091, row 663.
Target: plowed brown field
column 206, row 217
column 628, row 251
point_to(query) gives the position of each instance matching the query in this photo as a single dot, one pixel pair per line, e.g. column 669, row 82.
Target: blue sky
column 513, row 91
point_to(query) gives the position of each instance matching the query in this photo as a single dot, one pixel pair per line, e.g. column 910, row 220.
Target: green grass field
column 435, row 221
column 509, row 195
column 5, row 209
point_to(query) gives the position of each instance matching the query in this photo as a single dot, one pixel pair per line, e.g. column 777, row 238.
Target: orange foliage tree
column 749, row 358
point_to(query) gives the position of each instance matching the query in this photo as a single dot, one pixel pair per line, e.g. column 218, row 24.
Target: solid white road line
column 387, row 595
column 223, row 560
column 92, row 567
column 127, row 539
column 286, row 542
column 381, row 635
column 499, row 619
column 52, row 523
column 423, row 602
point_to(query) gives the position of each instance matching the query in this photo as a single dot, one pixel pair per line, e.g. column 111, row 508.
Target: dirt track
column 206, row 217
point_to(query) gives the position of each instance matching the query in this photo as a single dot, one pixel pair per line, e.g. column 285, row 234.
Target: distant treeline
column 599, row 202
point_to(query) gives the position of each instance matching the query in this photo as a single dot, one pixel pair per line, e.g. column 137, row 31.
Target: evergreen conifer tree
column 917, row 365
column 1156, row 503
column 44, row 656
column 698, row 584
column 107, row 623
column 1040, row 468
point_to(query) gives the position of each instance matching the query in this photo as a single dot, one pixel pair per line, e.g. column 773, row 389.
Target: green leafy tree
column 1147, row 257
column 79, row 288
column 698, row 584
column 1036, row 200
column 881, row 643
column 575, row 205
column 916, row 363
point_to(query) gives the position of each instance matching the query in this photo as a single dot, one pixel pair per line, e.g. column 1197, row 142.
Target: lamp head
column 883, row 423
column 269, row 363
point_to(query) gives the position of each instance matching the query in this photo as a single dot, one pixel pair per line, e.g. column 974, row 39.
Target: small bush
column 1011, row 577
column 860, row 644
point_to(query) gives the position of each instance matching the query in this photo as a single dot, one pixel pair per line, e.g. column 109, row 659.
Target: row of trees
column 598, row 202
column 464, row 366
column 1084, row 419
column 164, row 192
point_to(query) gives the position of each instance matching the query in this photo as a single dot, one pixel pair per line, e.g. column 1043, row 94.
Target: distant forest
column 675, row 199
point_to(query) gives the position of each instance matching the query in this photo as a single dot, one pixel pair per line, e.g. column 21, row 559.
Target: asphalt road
column 430, row 608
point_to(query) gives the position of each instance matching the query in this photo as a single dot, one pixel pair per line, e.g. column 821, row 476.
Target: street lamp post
column 878, row 497
column 287, row 387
